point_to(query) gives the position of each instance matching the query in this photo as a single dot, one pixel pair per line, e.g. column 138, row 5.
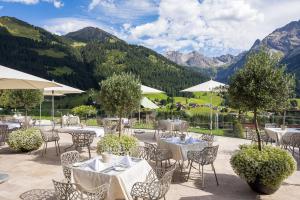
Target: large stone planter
column 261, row 188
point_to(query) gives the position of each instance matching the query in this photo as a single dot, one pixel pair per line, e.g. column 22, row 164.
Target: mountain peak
column 89, row 33
column 196, row 59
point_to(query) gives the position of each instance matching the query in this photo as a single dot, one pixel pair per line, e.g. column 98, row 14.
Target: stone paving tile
column 32, row 171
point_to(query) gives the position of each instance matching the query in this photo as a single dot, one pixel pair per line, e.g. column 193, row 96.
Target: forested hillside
column 84, row 58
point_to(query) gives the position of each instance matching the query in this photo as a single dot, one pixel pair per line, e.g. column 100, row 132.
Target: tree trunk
column 26, row 123
column 257, row 130
column 120, row 126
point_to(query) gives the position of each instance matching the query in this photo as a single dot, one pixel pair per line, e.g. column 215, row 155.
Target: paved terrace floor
column 32, row 171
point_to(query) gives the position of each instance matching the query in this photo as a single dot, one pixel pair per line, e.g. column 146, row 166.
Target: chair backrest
column 295, row 140
column 83, row 138
column 49, row 135
column 138, row 152
column 65, row 190
column 205, row 157
column 209, row 154
column 208, row 137
column 158, row 189
column 99, row 193
column 150, row 150
column 69, row 158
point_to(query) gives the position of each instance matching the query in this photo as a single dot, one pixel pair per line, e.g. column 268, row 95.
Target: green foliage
column 238, row 130
column 261, row 84
column 271, row 165
column 113, row 144
column 27, row 99
column 61, row 71
column 84, row 111
column 113, row 63
column 19, row 28
column 51, row 53
column 294, row 103
column 120, row 94
column 98, row 52
column 25, row 140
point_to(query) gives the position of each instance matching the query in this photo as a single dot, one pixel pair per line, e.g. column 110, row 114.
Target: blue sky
column 212, row 27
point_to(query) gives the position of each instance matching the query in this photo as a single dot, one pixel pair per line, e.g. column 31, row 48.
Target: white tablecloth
column 97, row 130
column 11, row 125
column 179, row 150
column 277, row 133
column 120, row 182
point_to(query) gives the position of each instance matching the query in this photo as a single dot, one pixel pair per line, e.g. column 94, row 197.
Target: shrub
column 115, row 144
column 25, row 140
column 238, row 130
column 84, row 111
column 271, row 165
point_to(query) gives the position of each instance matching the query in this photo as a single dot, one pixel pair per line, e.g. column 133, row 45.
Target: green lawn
column 201, row 98
column 50, row 53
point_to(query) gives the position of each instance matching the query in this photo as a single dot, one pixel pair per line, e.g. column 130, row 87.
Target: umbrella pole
column 211, row 112
column 40, row 112
column 140, row 114
column 53, row 106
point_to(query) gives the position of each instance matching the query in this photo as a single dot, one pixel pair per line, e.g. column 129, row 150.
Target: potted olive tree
column 262, row 85
column 120, row 95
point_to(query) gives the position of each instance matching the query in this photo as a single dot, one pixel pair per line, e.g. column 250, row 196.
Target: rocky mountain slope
column 284, row 41
column 196, row 59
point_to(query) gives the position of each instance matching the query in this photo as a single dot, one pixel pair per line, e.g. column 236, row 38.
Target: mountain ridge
column 284, row 41
column 85, row 57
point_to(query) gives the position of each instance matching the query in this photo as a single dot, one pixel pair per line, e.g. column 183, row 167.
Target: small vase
column 106, row 157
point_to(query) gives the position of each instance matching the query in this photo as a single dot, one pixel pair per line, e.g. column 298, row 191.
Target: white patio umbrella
column 147, row 103
column 147, row 90
column 59, row 91
column 14, row 79
column 208, row 86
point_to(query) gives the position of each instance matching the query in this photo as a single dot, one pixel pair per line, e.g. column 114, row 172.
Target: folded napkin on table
column 126, row 160
column 191, row 140
column 95, row 165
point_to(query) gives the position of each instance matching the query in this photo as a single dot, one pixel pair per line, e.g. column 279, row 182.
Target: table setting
column 179, row 146
column 278, row 133
column 119, row 171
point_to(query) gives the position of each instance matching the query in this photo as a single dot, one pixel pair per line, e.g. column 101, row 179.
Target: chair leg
column 46, row 147
column 165, row 197
column 56, row 148
column 190, row 170
column 202, row 177
column 213, row 167
column 43, row 150
column 89, row 151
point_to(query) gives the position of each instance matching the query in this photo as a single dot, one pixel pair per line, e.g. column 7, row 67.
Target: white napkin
column 126, row 160
column 95, row 164
column 190, row 140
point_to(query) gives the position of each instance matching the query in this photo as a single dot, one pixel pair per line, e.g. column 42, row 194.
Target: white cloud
column 56, row 3
column 213, row 26
column 123, row 9
column 61, row 26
